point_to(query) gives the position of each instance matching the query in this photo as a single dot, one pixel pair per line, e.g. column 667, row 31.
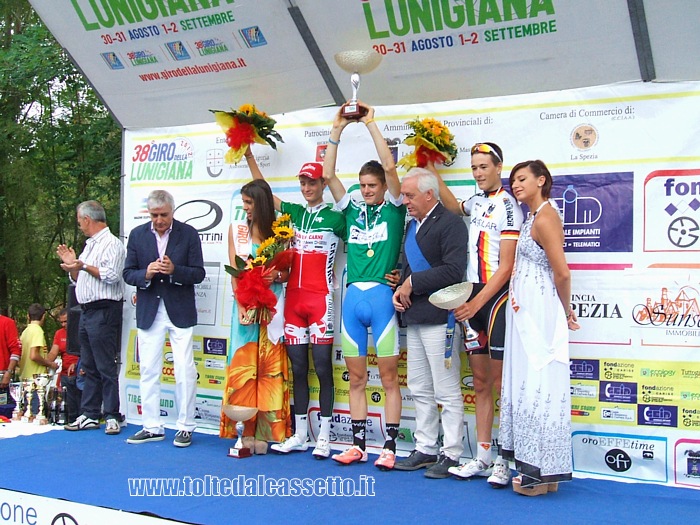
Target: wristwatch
column 84, row 268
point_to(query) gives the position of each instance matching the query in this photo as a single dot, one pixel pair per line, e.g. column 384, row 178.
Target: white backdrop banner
column 627, row 176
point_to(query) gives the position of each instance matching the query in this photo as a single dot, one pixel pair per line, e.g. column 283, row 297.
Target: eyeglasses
column 485, row 148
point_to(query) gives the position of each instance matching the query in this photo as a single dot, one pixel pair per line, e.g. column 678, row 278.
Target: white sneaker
column 322, row 449
column 475, row 467
column 500, row 477
column 83, row 422
column 112, row 426
column 291, row 444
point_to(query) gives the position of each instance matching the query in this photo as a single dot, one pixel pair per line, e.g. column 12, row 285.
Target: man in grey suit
column 435, row 256
column 164, row 261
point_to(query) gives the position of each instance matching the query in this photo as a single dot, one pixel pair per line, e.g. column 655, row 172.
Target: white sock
column 483, row 452
column 302, row 426
column 325, row 428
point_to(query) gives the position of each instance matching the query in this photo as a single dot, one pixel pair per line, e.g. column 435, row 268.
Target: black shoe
column 440, row 469
column 415, row 461
column 144, row 436
column 183, row 438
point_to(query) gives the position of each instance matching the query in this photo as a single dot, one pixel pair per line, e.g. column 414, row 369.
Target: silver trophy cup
column 356, row 63
column 16, row 393
column 240, row 414
column 450, row 298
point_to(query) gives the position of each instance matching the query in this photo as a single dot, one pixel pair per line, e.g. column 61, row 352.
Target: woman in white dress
column 535, row 419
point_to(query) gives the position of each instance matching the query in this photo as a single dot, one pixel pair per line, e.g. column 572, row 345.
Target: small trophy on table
column 16, row 391
column 41, row 381
column 356, row 63
column 28, row 388
column 450, row 298
column 239, row 414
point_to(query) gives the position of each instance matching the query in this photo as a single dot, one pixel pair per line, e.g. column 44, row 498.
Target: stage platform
column 87, row 477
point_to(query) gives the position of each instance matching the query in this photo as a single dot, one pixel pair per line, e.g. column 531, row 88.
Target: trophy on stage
column 450, row 298
column 356, row 63
column 16, row 393
column 28, row 387
column 59, row 407
column 239, row 414
column 41, row 381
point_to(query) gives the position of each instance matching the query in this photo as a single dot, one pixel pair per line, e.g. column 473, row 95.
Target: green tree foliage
column 58, row 147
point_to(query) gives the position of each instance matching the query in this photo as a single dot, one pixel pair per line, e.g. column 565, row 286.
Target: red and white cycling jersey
column 317, row 231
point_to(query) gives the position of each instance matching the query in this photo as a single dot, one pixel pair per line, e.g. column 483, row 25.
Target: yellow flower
column 248, row 109
column 282, row 220
column 283, row 232
column 266, row 244
column 429, row 134
column 259, row 260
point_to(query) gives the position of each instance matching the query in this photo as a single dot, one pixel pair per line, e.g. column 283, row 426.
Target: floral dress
column 257, row 375
column 535, row 418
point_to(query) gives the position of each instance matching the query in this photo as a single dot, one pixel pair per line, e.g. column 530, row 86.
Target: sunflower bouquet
column 432, row 141
column 255, row 273
column 244, row 127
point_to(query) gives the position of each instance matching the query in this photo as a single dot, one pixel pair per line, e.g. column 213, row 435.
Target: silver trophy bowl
column 450, row 298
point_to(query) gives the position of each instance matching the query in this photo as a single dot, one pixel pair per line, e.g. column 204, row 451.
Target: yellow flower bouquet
column 244, row 127
column 432, row 141
column 254, row 274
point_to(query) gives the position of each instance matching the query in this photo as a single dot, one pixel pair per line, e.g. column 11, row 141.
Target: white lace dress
column 535, row 419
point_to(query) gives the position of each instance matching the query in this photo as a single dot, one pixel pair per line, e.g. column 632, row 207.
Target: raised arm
column 447, row 198
column 385, row 156
column 257, row 174
column 334, row 184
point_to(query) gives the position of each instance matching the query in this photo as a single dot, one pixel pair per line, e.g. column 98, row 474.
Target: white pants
column 432, row 384
column 151, row 344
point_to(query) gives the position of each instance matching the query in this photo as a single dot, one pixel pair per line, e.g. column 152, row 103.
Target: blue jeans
column 100, row 330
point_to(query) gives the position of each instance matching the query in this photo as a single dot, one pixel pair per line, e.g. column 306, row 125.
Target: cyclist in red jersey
column 309, row 315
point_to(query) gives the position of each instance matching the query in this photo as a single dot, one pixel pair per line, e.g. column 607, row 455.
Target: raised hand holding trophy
column 356, row 62
column 240, row 414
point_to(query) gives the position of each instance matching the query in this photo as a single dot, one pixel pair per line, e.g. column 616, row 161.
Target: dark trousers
column 100, row 330
column 72, row 397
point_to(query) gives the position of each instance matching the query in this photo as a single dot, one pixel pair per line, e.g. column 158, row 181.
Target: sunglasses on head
column 485, row 148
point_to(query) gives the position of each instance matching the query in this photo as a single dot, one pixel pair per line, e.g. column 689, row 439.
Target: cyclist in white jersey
column 375, row 231
column 494, row 226
column 309, row 315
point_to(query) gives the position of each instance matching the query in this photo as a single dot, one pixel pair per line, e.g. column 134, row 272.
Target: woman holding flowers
column 309, row 317
column 257, row 374
column 375, row 227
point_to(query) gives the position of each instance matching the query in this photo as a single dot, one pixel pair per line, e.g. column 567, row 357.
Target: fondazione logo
column 403, row 17
column 162, row 160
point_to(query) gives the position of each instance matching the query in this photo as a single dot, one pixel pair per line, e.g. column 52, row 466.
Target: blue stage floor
column 92, row 468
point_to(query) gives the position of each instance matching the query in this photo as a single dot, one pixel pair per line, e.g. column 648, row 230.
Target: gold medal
column 370, row 253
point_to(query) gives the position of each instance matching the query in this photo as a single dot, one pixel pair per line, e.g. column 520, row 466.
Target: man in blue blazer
column 164, row 261
column 434, row 256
